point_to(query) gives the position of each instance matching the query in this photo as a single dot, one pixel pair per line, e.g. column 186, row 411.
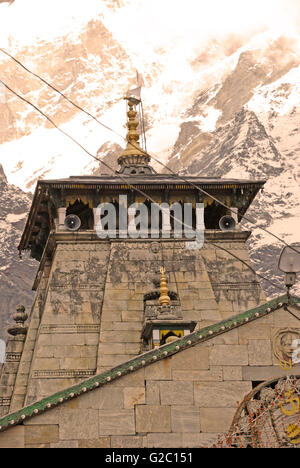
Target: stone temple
column 146, row 340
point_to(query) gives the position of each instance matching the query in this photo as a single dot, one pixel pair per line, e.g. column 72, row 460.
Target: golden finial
column 164, row 299
column 133, row 147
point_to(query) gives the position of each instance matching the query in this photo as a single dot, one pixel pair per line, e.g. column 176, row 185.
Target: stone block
column 10, row 368
column 78, row 424
column 24, row 367
column 116, row 422
column 121, row 336
column 127, row 326
column 187, row 304
column 132, row 315
column 282, row 318
column 220, row 394
column 6, row 391
column 107, row 325
column 215, row 373
column 229, row 355
column 65, row 444
column 262, row 373
column 17, row 402
column 66, row 351
column 205, row 304
column 8, row 380
column 37, row 446
column 20, row 390
column 77, row 363
column 126, row 442
column 228, row 338
column 91, row 339
column 22, row 379
column 216, row 420
column 106, row 398
column 161, row 370
column 13, row 438
column 260, row 353
column 254, row 331
column 113, row 360
column 101, row 442
column 46, row 364
column 88, row 351
column 152, row 418
column 135, row 305
column 133, row 348
column 47, row 418
column 232, row 373
column 152, row 393
column 162, row 440
column 185, row 419
column 42, row 434
column 136, row 379
column 13, row 346
column 176, row 393
column 48, row 351
column 193, row 440
column 225, row 306
column 195, row 358
column 111, row 348
column 134, row 396
column 72, row 404
column 113, row 314
column 66, row 339
column 114, row 297
column 209, row 314
column 45, row 339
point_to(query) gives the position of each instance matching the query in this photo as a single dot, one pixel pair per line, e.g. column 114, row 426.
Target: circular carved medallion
column 285, row 343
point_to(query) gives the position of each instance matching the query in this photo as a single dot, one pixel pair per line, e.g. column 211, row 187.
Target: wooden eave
column 154, row 182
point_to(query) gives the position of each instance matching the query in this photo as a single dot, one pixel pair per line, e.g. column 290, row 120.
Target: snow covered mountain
column 15, row 274
column 256, row 136
column 224, row 105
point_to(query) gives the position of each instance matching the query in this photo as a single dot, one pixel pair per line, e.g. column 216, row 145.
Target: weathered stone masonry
column 183, row 400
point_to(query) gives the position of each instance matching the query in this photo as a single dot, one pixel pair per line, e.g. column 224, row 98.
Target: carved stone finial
column 164, row 298
column 19, row 317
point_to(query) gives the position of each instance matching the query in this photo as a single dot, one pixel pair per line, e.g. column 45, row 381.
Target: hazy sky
column 179, row 46
column 148, row 23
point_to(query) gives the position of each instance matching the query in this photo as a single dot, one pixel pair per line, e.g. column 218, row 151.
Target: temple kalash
column 151, row 339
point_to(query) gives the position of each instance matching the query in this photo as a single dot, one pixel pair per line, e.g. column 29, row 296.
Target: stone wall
column 133, row 272
column 211, row 284
column 181, row 401
column 61, row 347
column 88, row 312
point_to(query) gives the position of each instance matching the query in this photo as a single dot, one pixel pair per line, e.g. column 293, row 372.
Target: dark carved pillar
column 14, row 349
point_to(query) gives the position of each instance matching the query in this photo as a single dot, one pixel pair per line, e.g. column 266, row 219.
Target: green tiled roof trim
column 145, row 359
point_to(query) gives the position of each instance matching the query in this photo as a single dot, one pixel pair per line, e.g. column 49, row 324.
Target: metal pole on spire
column 134, row 96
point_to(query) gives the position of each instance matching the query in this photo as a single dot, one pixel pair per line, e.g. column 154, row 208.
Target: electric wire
column 125, row 179
column 288, row 310
column 180, row 177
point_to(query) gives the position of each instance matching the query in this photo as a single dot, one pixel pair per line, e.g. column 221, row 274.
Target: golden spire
column 133, row 153
column 164, row 299
column 132, row 134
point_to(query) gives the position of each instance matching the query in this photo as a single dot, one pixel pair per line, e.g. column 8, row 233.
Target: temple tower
column 103, row 299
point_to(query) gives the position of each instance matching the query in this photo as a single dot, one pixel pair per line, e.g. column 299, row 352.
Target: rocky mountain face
column 236, row 116
column 16, row 275
column 256, row 136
